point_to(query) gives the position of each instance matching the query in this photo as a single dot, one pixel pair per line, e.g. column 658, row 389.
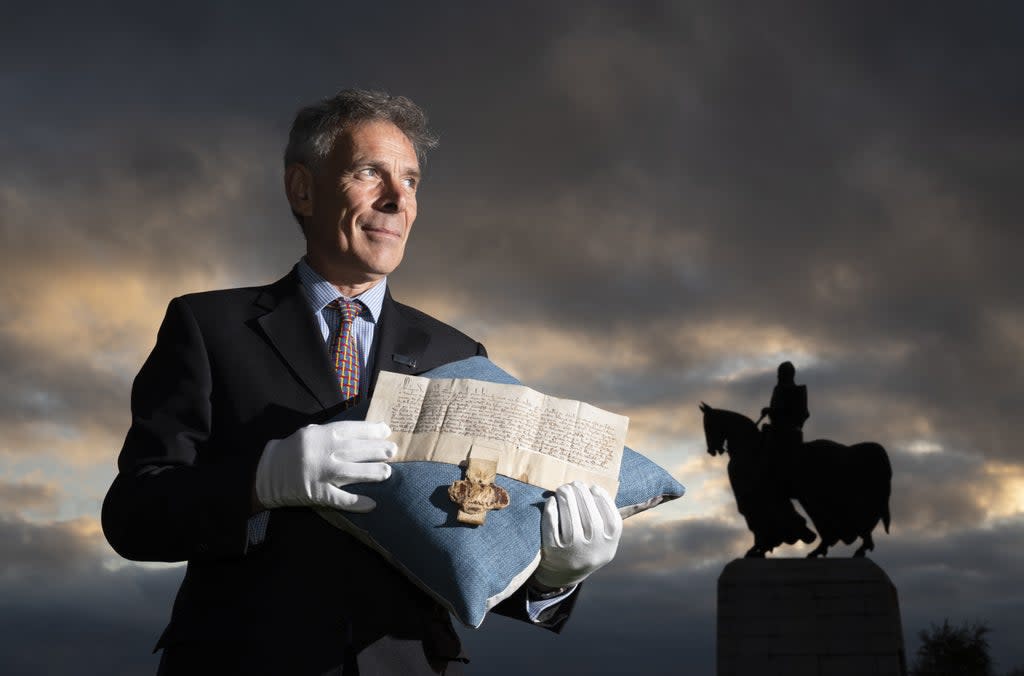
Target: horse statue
column 843, row 489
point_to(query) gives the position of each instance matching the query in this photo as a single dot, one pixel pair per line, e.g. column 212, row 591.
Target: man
column 225, row 456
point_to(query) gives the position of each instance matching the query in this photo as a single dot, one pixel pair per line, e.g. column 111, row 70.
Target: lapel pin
column 404, row 360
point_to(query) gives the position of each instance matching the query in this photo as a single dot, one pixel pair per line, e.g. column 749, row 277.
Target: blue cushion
column 465, row 568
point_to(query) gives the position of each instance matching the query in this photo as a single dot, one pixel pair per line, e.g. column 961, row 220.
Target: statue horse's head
column 714, row 431
column 720, row 425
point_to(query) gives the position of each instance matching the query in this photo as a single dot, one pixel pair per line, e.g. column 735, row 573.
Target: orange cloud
column 23, row 495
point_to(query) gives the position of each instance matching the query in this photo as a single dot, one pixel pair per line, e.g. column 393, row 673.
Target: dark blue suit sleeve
column 175, row 497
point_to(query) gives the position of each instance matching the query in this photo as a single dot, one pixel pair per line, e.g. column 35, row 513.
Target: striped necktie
column 344, row 351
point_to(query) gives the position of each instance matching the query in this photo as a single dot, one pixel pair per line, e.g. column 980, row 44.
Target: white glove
column 310, row 466
column 579, row 533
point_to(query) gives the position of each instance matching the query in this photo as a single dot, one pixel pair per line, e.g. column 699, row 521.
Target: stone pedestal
column 808, row 617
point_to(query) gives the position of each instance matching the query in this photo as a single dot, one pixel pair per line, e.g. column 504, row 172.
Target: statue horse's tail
column 888, row 486
column 873, row 461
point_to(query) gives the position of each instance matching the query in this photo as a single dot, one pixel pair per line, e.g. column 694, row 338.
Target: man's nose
column 393, row 196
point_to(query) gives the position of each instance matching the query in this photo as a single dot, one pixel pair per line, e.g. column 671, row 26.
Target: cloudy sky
column 642, row 208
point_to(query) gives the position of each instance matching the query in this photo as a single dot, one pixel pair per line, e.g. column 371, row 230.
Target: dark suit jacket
column 231, row 370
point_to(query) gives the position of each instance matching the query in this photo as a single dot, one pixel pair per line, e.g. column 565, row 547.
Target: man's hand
column 579, row 533
column 312, row 465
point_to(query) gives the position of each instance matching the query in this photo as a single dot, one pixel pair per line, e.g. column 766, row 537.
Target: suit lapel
column 290, row 327
column 400, row 343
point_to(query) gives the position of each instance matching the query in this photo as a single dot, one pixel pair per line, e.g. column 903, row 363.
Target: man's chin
column 381, row 266
column 383, row 257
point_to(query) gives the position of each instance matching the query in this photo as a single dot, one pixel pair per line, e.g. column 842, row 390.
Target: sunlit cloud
column 20, row 496
column 923, row 447
column 1002, row 496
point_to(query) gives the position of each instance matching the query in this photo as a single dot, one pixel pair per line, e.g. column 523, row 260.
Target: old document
column 535, row 438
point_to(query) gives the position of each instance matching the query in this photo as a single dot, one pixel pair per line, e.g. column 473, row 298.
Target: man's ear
column 298, row 186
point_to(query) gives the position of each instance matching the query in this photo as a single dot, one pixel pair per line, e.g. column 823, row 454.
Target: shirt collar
column 320, row 292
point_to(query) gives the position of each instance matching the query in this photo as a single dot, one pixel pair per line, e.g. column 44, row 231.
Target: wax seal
column 477, row 494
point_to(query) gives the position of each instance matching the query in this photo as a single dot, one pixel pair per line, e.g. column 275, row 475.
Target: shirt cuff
column 258, row 528
column 535, row 608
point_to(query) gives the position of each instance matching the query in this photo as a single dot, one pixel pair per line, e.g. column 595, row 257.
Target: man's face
column 363, row 204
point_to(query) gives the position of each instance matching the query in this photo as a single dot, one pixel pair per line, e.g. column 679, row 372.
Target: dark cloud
column 684, row 194
column 151, row 196
column 676, row 546
column 66, row 610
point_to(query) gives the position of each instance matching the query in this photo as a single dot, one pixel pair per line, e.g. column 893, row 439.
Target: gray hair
column 317, row 127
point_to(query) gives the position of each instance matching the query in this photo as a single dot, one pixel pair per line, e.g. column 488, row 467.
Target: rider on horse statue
column 787, row 413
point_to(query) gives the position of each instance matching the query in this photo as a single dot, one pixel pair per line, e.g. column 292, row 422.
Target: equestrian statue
column 843, row 489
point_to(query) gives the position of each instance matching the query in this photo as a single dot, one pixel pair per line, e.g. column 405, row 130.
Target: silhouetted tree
column 953, row 651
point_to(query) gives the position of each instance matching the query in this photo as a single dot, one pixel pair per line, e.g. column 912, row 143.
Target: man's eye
column 368, row 172
column 409, row 183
